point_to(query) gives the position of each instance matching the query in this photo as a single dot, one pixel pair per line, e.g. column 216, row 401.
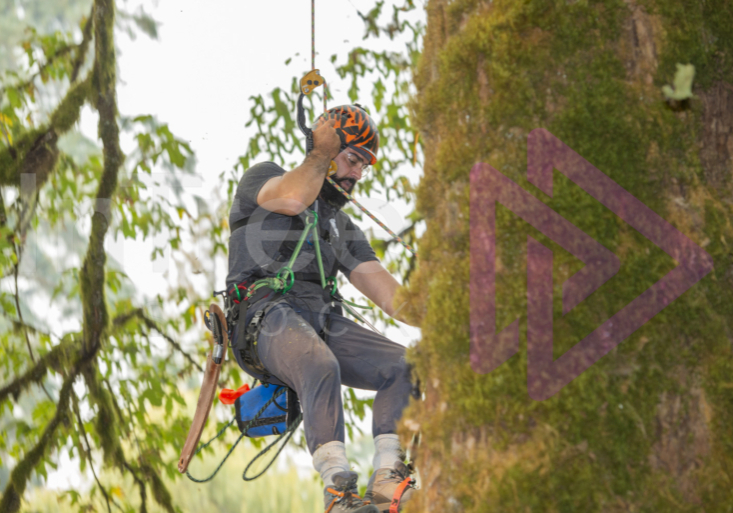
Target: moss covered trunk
column 649, row 427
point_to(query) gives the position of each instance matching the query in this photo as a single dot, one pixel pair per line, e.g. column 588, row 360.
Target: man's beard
column 333, row 196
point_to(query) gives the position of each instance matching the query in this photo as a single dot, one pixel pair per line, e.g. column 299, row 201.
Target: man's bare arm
column 291, row 193
column 375, row 282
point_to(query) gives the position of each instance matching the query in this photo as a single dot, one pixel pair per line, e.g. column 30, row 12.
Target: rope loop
column 288, row 281
column 291, row 429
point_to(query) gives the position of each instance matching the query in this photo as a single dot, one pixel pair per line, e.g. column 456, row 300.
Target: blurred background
column 198, row 88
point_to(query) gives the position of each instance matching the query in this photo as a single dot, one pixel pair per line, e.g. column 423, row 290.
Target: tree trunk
column 648, row 426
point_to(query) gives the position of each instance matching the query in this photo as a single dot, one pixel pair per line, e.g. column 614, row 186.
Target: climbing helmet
column 357, row 130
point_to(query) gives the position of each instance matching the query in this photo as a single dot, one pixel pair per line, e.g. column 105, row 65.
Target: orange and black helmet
column 357, row 130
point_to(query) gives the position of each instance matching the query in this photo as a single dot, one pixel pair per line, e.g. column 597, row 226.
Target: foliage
column 105, row 387
column 227, row 492
column 88, row 389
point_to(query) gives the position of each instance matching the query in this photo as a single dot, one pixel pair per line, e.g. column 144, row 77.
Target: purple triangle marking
column 546, row 376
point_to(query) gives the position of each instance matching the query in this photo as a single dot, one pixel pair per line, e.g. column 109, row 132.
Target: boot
column 390, row 488
column 343, row 496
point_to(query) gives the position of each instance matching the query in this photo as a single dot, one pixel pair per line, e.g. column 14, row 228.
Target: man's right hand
column 326, row 141
column 292, row 192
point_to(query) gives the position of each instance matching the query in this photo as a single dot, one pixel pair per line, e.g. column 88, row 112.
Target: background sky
column 198, row 76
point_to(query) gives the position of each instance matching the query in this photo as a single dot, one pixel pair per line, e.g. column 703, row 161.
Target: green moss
column 12, row 159
column 489, row 74
column 68, row 111
column 91, row 277
column 700, row 33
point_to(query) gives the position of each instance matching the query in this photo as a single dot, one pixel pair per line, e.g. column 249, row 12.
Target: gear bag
column 280, row 414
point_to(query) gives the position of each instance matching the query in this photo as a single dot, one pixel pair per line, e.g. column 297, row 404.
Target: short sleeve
column 355, row 248
column 245, row 199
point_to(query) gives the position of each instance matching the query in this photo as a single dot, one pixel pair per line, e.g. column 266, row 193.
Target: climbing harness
column 278, row 286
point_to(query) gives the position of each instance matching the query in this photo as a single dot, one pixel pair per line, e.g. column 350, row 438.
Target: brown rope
column 313, row 51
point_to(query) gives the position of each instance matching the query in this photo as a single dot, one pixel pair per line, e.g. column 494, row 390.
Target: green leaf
column 14, row 98
column 146, row 24
column 682, row 83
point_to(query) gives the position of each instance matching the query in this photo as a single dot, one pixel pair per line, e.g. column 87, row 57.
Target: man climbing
column 301, row 338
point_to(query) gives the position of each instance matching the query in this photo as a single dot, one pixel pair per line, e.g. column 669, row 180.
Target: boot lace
column 347, row 499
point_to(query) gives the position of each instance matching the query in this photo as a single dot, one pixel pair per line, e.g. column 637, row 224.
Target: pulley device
column 307, row 84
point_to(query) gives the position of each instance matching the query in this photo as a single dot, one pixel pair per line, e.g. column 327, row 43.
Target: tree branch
column 141, row 484
column 36, row 151
column 10, row 501
column 83, row 46
column 105, row 423
column 17, row 306
column 89, row 449
column 81, row 50
column 160, row 493
column 60, row 356
column 91, row 276
column 20, row 326
column 116, row 406
column 3, row 213
column 152, row 325
column 26, row 83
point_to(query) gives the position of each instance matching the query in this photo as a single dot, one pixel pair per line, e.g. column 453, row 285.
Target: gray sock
column 387, row 451
column 329, row 459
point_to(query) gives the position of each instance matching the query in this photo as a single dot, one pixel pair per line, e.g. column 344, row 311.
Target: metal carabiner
column 307, row 84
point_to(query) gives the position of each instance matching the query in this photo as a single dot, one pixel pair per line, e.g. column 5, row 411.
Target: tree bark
column 647, row 427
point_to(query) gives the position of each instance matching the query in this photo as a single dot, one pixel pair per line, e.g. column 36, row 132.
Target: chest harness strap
column 278, row 286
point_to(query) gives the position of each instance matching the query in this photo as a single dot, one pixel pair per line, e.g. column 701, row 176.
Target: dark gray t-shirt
column 254, row 249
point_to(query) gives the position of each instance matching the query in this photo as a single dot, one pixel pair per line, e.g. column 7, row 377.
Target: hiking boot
column 390, row 488
column 343, row 496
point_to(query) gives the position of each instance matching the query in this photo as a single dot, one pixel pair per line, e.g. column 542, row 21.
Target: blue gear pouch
column 276, row 418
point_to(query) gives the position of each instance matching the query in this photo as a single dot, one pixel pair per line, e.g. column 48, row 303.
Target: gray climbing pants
column 294, row 354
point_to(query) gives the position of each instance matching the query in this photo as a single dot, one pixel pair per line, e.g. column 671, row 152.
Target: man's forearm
column 292, row 192
column 376, row 283
column 304, row 183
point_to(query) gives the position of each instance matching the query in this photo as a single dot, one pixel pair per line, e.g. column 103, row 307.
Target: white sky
column 210, row 57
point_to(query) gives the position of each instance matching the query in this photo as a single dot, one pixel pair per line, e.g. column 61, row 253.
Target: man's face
column 351, row 167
